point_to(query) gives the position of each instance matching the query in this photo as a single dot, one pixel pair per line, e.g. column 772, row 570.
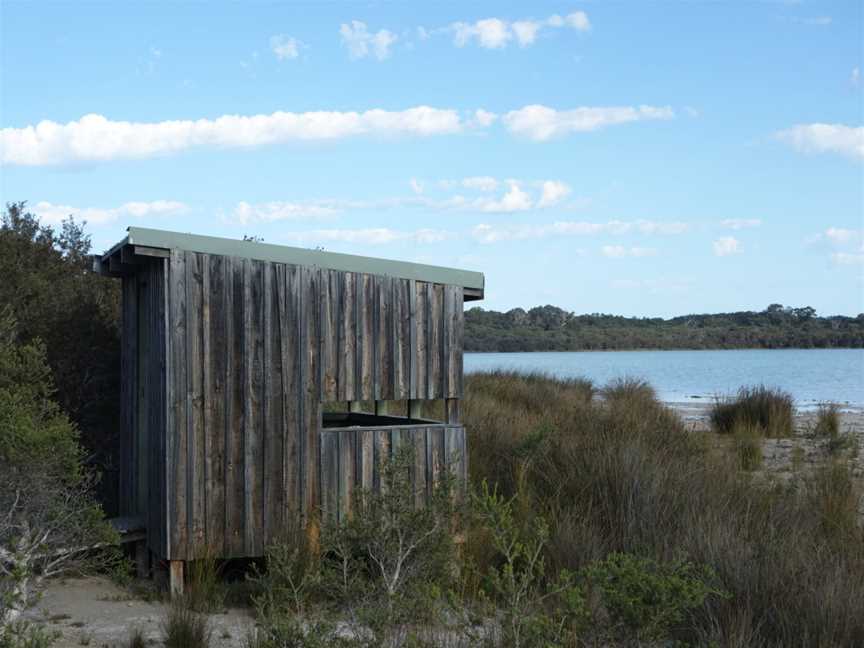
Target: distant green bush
column 769, row 410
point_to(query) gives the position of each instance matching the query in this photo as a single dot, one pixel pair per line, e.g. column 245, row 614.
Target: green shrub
column 648, row 598
column 23, row 634
column 185, row 628
column 769, row 410
column 748, row 446
column 534, row 610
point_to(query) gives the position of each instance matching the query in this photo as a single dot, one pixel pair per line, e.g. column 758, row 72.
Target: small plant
column 206, row 592
column 648, row 599
column 768, row 410
column 23, row 634
column 748, row 446
column 835, row 495
column 534, row 612
column 827, row 420
column 185, row 628
column 136, row 638
column 292, row 573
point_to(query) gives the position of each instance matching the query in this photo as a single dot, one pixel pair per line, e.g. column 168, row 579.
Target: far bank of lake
column 810, row 375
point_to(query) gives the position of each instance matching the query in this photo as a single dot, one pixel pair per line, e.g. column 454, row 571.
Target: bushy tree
column 50, row 291
column 47, row 512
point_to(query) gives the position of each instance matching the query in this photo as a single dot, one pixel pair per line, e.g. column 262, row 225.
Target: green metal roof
column 152, row 238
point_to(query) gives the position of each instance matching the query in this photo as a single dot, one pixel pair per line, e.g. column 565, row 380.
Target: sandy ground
column 784, row 458
column 94, row 612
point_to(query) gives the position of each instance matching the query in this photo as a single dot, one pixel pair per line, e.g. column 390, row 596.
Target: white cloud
column 554, row 191
column 825, row 138
column 362, row 43
column 369, row 236
column 846, row 258
column 541, row 123
column 526, row 31
column 271, row 212
column 51, row 214
column 497, row 33
column 97, row 138
column 481, row 183
column 285, row 47
column 740, row 223
column 726, row 245
column 841, row 236
column 619, row 251
column 515, row 199
column 855, row 77
column 486, row 233
column 483, row 118
column 416, row 186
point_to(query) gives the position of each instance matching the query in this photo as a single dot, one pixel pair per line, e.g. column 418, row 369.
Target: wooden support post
column 142, row 559
column 175, row 577
column 415, row 409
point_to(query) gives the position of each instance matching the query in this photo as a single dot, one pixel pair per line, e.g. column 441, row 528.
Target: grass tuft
column 185, row 628
column 828, row 420
column 748, row 446
column 769, row 410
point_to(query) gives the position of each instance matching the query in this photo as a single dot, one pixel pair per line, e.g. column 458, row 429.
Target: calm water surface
column 810, row 375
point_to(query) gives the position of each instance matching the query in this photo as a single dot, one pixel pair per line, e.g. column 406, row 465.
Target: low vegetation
column 768, row 411
column 590, row 521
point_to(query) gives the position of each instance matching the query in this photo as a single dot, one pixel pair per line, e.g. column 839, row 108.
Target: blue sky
column 633, row 158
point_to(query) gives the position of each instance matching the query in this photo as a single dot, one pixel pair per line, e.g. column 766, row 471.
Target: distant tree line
column 549, row 328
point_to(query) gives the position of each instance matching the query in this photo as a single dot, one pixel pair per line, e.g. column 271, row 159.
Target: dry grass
column 622, row 474
column 770, row 410
column 185, row 628
column 828, row 420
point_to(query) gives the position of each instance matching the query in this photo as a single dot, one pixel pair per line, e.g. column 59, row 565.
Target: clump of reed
column 748, row 446
column 769, row 410
column 183, row 627
column 827, row 420
column 622, row 474
column 206, row 591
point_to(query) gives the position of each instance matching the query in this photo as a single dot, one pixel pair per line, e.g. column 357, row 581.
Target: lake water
column 810, row 375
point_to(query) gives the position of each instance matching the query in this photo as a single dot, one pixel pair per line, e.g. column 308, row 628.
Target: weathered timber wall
column 143, row 400
column 353, row 458
column 253, row 348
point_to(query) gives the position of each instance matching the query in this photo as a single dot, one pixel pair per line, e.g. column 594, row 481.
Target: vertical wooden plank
column 421, row 354
column 381, row 454
column 215, row 315
column 235, row 423
column 309, row 312
column 435, row 454
column 195, row 514
column 402, row 366
column 384, row 337
column 176, row 433
column 128, row 374
column 453, row 327
column 329, row 476
column 366, row 342
column 347, row 338
column 253, row 406
column 329, row 334
column 347, row 447
column 366, row 450
column 273, row 411
column 418, row 472
column 413, row 388
column 288, row 300
column 161, row 531
column 435, row 296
